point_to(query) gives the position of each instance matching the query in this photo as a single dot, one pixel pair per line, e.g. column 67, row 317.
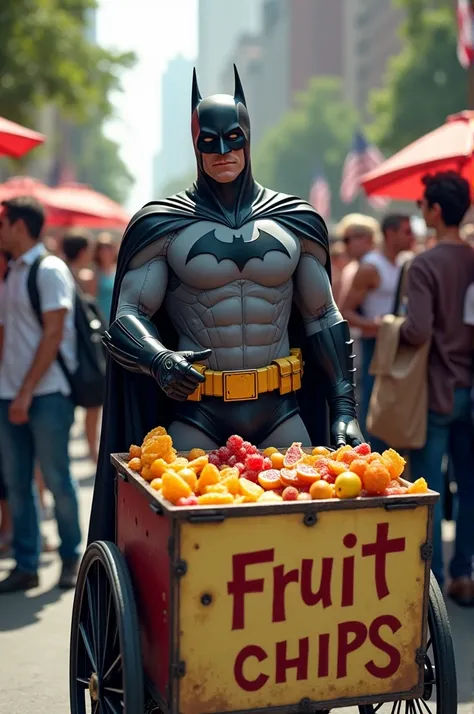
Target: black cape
column 134, row 404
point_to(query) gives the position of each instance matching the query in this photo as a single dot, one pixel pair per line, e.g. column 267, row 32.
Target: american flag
column 362, row 158
column 465, row 14
column 320, row 195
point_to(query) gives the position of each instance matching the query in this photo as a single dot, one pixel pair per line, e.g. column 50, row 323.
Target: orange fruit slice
column 250, row 491
column 209, row 476
column 289, row 477
column 307, row 474
column 215, row 499
column 158, row 468
column 198, row 464
column 269, row 479
column 190, row 477
column 419, row 486
column 174, row 487
column 232, row 483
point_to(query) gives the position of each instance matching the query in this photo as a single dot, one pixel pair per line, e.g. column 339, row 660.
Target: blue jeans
column 44, row 437
column 367, row 384
column 453, row 434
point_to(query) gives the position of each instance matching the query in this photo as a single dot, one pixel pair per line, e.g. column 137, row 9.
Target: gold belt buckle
column 240, row 386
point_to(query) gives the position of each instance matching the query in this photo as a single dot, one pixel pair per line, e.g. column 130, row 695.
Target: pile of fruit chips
column 239, row 473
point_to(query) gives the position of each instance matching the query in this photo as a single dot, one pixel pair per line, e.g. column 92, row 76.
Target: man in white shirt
column 36, row 411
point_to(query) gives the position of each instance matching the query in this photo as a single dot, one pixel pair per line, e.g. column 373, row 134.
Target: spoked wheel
column 440, row 692
column 105, row 675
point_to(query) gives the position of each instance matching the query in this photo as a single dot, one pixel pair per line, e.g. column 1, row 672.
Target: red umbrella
column 89, row 207
column 68, row 205
column 26, row 186
column 450, row 147
column 16, row 140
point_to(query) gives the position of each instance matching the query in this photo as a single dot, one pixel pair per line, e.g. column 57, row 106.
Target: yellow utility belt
column 241, row 385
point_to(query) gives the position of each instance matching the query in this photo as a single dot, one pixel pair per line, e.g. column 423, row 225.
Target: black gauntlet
column 134, row 343
column 331, row 352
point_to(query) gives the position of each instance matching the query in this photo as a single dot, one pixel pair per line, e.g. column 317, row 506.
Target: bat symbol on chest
column 239, row 251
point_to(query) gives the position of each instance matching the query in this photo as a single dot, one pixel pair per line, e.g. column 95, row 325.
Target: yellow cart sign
column 273, row 612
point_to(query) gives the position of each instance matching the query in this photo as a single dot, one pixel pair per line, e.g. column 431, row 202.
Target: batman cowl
column 221, row 124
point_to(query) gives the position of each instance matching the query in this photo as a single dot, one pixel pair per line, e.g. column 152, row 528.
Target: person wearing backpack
column 77, row 251
column 36, row 408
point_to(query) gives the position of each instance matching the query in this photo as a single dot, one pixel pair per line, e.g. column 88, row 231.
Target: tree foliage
column 98, row 163
column 45, row 56
column 316, row 133
column 425, row 82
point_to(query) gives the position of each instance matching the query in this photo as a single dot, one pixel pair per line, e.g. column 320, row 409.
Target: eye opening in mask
column 208, row 139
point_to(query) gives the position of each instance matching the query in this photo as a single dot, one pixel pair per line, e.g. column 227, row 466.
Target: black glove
column 175, row 374
column 133, row 341
column 330, row 351
column 345, row 429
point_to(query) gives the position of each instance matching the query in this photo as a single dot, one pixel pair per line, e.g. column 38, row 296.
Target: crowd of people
column 379, row 269
column 36, row 409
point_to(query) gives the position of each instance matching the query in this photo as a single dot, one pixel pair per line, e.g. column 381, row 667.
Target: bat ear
column 239, row 95
column 196, row 97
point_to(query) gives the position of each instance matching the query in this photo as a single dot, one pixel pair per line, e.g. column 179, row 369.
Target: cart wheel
column 105, row 661
column 440, row 693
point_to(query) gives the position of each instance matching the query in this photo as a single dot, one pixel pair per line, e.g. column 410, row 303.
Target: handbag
column 398, row 408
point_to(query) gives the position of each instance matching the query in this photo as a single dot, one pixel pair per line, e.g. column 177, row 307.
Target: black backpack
column 87, row 383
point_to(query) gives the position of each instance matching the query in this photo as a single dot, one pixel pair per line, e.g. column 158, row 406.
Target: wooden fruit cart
column 303, row 606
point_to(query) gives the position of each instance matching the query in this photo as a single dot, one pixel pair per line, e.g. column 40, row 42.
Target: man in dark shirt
column 437, row 283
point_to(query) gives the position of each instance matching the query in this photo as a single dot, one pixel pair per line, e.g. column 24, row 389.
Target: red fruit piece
column 190, row 501
column 253, row 449
column 214, row 459
column 224, row 454
column 267, row 464
column 329, row 477
column 242, row 454
column 240, row 467
column 289, row 477
column 246, row 445
column 234, row 442
column 363, row 449
column 290, row 494
column 395, row 491
column 293, row 455
column 255, row 462
column 232, row 460
column 250, row 475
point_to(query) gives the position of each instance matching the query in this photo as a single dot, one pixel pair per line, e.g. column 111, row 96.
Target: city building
column 370, row 39
column 248, row 58
column 219, row 27
column 176, row 156
column 297, row 41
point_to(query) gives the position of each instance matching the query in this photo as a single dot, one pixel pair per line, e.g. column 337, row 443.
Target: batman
column 223, row 320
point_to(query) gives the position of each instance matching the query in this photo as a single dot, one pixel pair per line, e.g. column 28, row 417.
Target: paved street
column 34, row 631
